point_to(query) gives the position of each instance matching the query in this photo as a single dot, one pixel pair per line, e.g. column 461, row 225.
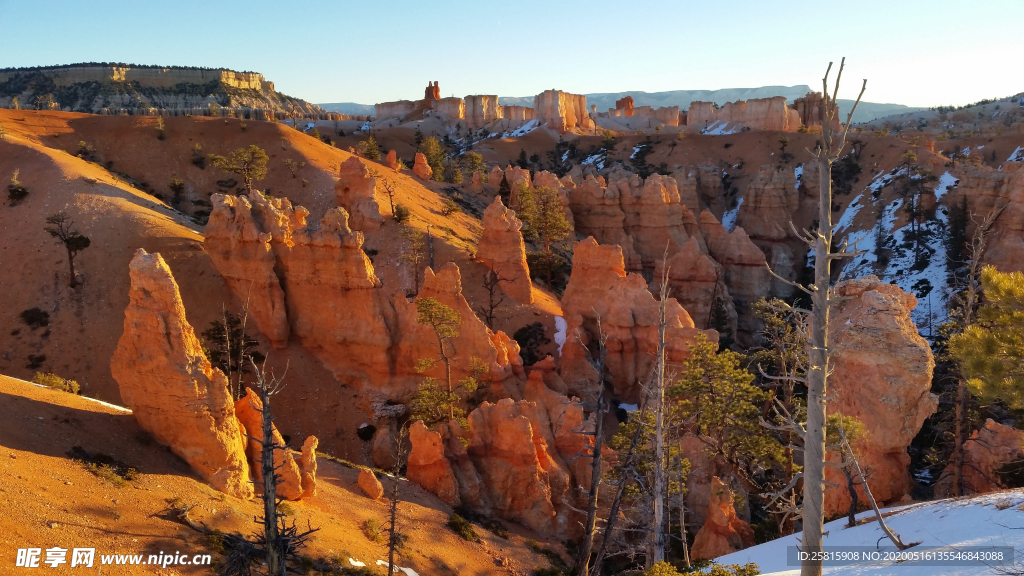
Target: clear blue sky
column 912, row 52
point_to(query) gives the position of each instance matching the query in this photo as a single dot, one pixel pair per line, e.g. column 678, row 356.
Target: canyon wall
column 562, row 111
column 756, row 114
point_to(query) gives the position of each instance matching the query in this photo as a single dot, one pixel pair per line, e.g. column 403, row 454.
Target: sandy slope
column 48, row 500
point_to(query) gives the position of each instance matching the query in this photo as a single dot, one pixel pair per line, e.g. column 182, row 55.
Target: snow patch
column 989, row 520
column 357, row 563
column 729, row 218
column 946, row 181
column 521, row 131
column 798, row 173
column 847, row 219
column 561, row 326
column 721, row 128
column 1017, row 156
column 407, row 571
column 635, row 150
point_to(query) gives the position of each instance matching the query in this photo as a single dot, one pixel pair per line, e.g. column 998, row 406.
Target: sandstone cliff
column 562, row 111
column 502, row 250
column 173, row 391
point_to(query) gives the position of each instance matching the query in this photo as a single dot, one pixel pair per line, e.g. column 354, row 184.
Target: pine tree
column 543, row 215
column 250, row 163
column 434, row 153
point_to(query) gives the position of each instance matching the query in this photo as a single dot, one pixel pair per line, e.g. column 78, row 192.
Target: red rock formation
column 476, row 183
column 519, row 475
column 421, row 169
column 811, row 109
column 746, row 271
column 307, row 463
column 599, row 286
column 482, row 110
column 723, row 533
column 502, row 250
column 696, row 281
column 369, row 484
column 453, row 108
column 653, row 215
column 432, row 92
column 494, row 179
column 987, row 189
column 241, row 252
column 756, row 114
column 519, row 113
column 248, row 410
column 985, row 452
column 355, row 192
column 428, row 466
column 625, row 104
column 562, row 111
column 882, row 376
column 398, row 109
column 667, row 115
column 170, row 386
column 769, row 204
column 414, row 341
column 392, row 160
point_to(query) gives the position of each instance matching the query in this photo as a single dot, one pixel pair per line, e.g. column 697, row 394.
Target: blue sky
column 912, row 52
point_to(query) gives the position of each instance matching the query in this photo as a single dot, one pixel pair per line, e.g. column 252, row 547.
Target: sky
column 912, row 52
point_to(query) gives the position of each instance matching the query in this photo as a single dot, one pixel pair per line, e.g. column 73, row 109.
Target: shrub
column 530, row 338
column 449, row 207
column 286, row 509
column 401, row 213
column 177, row 185
column 198, row 159
column 56, row 382
column 35, row 361
column 104, row 466
column 369, row 149
column 373, row 531
column 15, row 191
column 463, row 528
column 160, row 128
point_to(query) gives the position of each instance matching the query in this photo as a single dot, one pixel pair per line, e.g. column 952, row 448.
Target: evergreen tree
column 369, row 149
column 991, row 351
column 62, row 228
column 250, row 163
column 543, row 214
column 434, row 153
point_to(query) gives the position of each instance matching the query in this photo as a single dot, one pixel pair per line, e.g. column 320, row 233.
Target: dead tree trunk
column 656, row 542
column 583, row 561
column 825, row 155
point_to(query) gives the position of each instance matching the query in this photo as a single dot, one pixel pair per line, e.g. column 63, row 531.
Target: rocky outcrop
column 769, row 204
column 240, row 250
column 307, row 464
column 482, row 110
column 746, row 271
column 392, row 160
column 625, row 105
column 502, row 250
column 811, row 109
column 697, row 282
column 248, row 410
column 170, row 386
column 421, row 169
column 475, row 340
column 494, row 178
column 520, row 113
column 723, row 532
column 562, row 111
column 882, row 377
column 985, row 452
column 667, row 115
column 453, row 108
column 599, row 287
column 397, row 109
column 989, row 189
column 328, row 282
column 756, row 114
column 369, row 484
column 355, row 191
column 652, row 215
column 428, row 466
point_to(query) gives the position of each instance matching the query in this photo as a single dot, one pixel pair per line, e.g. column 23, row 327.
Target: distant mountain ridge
column 866, row 112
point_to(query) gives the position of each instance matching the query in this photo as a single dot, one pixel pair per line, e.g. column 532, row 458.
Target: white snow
column 565, row 156
column 729, row 218
column 635, row 150
column 847, row 219
column 989, row 520
column 408, row 571
column 798, row 172
column 365, row 127
column 560, row 328
column 1017, row 156
column 521, row 131
column 946, row 181
column 357, row 563
column 721, row 128
column 880, row 180
column 596, row 159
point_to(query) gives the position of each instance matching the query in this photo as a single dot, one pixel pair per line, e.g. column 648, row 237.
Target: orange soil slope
column 47, row 499
column 86, row 323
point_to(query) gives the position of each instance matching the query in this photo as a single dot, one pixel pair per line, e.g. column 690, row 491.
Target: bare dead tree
column 279, row 541
column 388, row 185
column 495, row 296
column 395, row 538
column 613, row 512
column 967, row 300
column 828, row 151
column 895, row 538
column 656, row 537
column 583, row 560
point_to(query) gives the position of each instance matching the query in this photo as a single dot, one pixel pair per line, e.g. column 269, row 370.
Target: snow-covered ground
column 518, row 132
column 729, row 218
column 561, row 326
column 988, row 520
column 722, row 128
